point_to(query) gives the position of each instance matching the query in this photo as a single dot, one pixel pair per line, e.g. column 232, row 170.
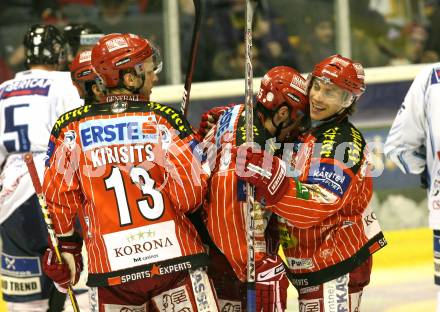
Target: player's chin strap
column 202, row 290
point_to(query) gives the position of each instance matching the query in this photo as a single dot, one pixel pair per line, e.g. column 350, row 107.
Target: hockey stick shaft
column 251, row 300
column 192, row 57
column 29, row 160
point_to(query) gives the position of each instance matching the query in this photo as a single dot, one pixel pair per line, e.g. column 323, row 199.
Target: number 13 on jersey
column 151, row 206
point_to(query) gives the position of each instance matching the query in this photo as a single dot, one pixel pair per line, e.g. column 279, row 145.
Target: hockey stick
column 29, row 160
column 250, row 225
column 192, row 57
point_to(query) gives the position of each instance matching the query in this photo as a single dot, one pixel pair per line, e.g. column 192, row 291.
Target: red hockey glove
column 68, row 272
column 209, row 119
column 266, row 172
column 271, row 285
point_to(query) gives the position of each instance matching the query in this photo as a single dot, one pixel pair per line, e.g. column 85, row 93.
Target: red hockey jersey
column 225, row 207
column 327, row 227
column 131, row 170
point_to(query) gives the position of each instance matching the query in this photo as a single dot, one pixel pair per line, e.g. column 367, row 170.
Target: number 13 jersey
column 131, row 170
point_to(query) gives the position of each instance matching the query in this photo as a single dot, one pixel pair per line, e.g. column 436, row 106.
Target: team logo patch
column 226, row 124
column 122, row 130
column 123, row 61
column 300, row 263
column 33, row 86
column 229, row 305
column 116, row 43
column 144, row 245
column 20, row 266
column 331, row 177
column 176, row 299
column 16, row 286
column 298, row 84
column 119, row 107
column 435, row 76
column 309, row 305
column 70, row 139
column 203, row 293
column 85, row 56
column 336, row 297
column 49, row 153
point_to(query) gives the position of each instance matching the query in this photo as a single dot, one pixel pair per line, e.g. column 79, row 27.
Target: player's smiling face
column 326, row 99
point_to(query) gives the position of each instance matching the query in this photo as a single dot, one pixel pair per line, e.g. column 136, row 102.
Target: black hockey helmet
column 76, row 35
column 44, row 44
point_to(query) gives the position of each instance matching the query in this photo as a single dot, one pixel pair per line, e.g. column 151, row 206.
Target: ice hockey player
column 131, row 170
column 85, row 79
column 412, row 145
column 30, row 105
column 80, row 37
column 328, row 230
column 280, row 104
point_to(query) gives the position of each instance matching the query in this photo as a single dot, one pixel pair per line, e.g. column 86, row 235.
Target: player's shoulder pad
column 70, row 116
column 173, row 116
column 342, row 140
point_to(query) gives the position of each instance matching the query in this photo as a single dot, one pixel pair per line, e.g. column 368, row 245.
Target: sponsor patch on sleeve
column 435, row 77
column 50, row 149
column 330, row 176
column 20, row 266
column 197, row 150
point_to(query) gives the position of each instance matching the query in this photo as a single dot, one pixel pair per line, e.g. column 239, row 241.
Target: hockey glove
column 68, row 272
column 266, row 172
column 271, row 285
column 210, row 118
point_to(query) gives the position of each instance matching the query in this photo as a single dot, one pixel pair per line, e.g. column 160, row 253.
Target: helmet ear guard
column 282, row 85
column 117, row 52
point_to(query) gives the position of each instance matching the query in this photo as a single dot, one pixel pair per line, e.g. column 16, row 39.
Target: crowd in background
column 294, row 32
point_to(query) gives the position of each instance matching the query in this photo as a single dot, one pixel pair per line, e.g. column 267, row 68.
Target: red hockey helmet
column 283, row 85
column 81, row 67
column 116, row 52
column 343, row 72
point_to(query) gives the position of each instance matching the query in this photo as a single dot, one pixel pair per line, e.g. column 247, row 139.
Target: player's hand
column 68, row 272
column 210, row 118
column 266, row 172
column 271, row 284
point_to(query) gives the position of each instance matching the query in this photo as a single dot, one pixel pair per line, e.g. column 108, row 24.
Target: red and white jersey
column 225, row 207
column 326, row 225
column 30, row 104
column 131, row 170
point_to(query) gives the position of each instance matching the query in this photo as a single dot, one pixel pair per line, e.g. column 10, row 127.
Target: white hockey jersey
column 414, row 138
column 30, row 104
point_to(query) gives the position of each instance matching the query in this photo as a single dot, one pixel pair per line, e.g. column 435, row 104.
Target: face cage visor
column 157, row 63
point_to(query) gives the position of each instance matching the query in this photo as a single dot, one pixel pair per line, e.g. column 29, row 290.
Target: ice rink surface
column 402, row 278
